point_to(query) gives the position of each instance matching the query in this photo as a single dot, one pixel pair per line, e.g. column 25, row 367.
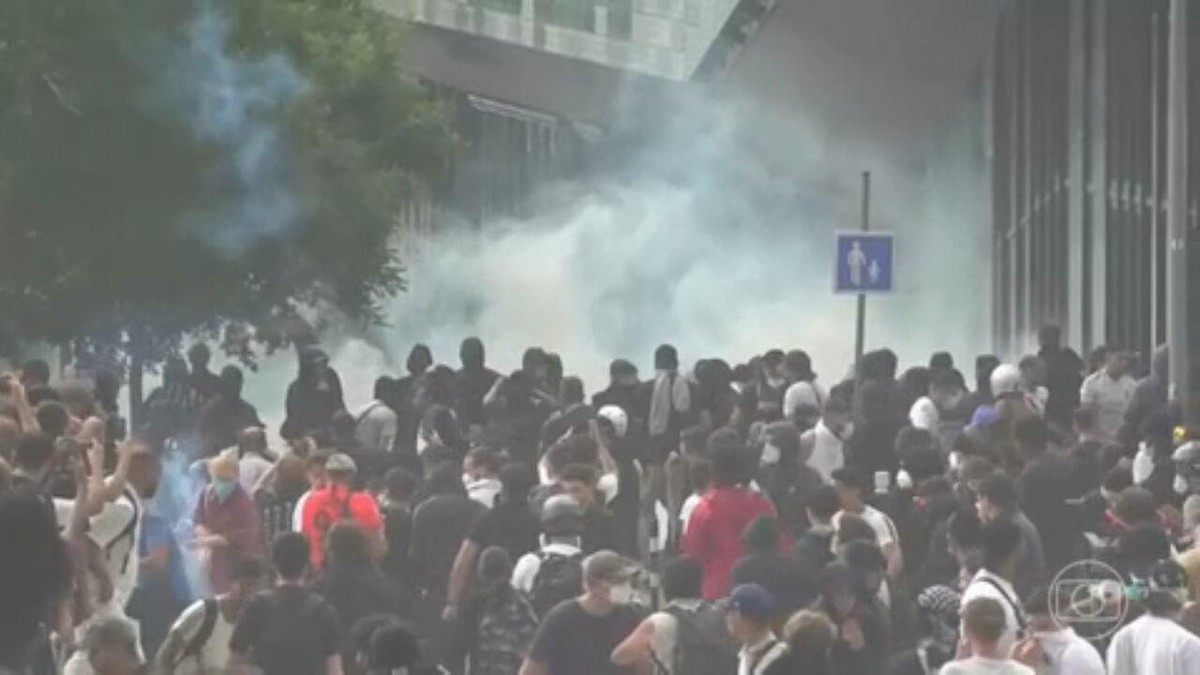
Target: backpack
column 702, row 643
column 559, row 577
column 200, row 638
column 506, row 628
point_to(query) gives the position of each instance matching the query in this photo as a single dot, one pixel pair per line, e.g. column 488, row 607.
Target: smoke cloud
column 717, row 235
column 233, row 103
column 709, row 224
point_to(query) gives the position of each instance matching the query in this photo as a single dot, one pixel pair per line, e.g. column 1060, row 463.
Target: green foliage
column 100, row 190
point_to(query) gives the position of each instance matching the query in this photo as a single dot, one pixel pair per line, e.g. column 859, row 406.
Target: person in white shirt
column 751, row 610
column 940, row 413
column 924, row 415
column 1052, row 648
column 198, row 642
column 1155, row 643
column 252, row 458
column 850, row 492
column 1109, row 391
column 700, row 475
column 562, row 526
column 375, row 422
column 481, row 470
column 114, row 528
column 801, row 398
column 804, row 394
column 984, row 623
column 314, row 467
column 1001, row 546
column 827, row 440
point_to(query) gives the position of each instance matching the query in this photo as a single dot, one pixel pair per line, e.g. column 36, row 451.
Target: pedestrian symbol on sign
column 856, row 260
column 864, row 262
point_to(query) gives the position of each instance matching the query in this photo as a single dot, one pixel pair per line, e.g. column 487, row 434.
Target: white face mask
column 770, row 455
column 621, row 594
column 1181, row 485
column 904, row 480
column 955, row 459
column 775, row 382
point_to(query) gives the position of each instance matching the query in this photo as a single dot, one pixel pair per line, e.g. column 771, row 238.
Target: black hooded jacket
column 312, row 400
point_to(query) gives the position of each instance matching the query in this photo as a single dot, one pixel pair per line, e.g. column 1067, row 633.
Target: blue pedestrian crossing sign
column 864, row 262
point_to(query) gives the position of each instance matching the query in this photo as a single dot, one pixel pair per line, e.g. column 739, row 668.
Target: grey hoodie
column 1152, row 394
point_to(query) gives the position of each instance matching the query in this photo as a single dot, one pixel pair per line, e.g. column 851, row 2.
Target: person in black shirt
column 1064, row 377
column 396, row 650
column 862, row 628
column 420, row 359
column 762, row 401
column 313, row 397
column 227, row 415
column 1048, row 491
column 471, row 384
column 510, row 525
column 34, row 575
column 789, row 581
column 1085, row 455
column 579, row 635
column 626, row 392
column 937, row 629
column 572, row 414
column 288, row 630
column 599, row 526
column 352, row 583
column 440, row 524
column 395, row 505
column 815, row 545
column 202, row 381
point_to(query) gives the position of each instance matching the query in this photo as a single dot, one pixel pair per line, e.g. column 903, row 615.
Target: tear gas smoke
column 712, row 230
column 233, row 103
column 700, row 239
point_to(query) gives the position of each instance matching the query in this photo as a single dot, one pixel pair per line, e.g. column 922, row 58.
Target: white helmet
column 616, row 415
column 1006, row 379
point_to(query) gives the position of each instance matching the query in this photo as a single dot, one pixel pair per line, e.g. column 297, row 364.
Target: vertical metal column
column 1073, row 331
column 1177, row 203
column 1098, row 183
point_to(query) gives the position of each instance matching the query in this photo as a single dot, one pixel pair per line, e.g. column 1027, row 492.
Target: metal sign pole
column 860, row 329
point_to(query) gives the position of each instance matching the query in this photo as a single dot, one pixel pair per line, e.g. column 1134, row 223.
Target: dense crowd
column 720, row 520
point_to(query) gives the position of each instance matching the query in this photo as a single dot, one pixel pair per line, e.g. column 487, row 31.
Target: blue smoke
column 178, row 493
column 235, row 105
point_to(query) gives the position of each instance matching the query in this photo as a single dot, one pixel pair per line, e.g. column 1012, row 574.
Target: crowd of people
column 716, row 520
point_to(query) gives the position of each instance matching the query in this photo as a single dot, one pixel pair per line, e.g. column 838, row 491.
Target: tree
column 169, row 167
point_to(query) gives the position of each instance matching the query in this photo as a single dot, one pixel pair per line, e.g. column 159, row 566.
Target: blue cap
column 984, row 416
column 752, row 601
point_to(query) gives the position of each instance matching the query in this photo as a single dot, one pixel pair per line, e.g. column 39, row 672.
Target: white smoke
column 716, row 234
column 705, row 238
column 233, row 103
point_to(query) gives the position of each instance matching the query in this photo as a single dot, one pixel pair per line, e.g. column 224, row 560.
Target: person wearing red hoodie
column 714, row 531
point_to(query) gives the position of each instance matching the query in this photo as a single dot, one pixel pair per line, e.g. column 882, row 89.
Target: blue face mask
column 223, row 488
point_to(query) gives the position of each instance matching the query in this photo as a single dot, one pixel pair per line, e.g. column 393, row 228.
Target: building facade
column 1078, row 104
column 660, row 38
